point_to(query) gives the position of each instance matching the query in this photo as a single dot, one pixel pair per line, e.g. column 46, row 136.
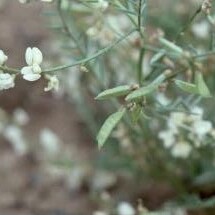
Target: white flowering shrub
column 154, row 72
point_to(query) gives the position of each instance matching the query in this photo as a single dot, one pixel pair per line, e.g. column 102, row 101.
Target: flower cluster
column 6, row 80
column 34, row 58
column 31, row 72
column 179, row 142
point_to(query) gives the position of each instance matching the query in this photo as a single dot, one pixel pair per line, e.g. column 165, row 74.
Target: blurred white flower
column 20, row 116
column 15, row 136
column 50, row 141
column 103, row 180
column 124, row 208
column 34, row 58
column 178, row 118
column 76, row 177
column 102, row 5
column 181, row 149
column 167, row 137
column 100, row 213
column 3, row 58
column 53, row 83
column 201, row 128
column 201, row 29
column 6, row 81
column 162, row 99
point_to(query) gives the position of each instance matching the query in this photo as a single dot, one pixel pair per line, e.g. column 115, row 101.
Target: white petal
column 181, row 150
column 26, row 70
column 6, row 81
column 37, row 56
column 3, row 57
column 32, row 77
column 36, row 68
column 124, row 208
column 167, row 137
column 29, row 56
column 52, row 84
column 201, row 128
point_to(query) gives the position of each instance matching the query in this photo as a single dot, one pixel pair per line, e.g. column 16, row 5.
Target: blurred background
column 49, row 159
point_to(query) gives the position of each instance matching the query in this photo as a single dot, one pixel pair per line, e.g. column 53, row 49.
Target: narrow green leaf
column 108, row 126
column 171, row 46
column 114, row 92
column 157, row 57
column 141, row 92
column 201, row 85
column 187, row 87
column 147, row 89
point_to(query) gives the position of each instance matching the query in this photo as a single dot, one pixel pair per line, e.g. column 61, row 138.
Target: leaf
column 147, row 89
column 141, row 92
column 157, row 57
column 136, row 113
column 108, row 126
column 187, row 87
column 114, row 92
column 178, row 50
column 201, row 85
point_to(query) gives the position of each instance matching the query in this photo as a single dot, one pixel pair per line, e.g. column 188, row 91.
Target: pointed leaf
column 201, row 85
column 108, row 126
column 114, row 92
column 147, row 89
column 157, row 57
column 141, row 92
column 187, row 87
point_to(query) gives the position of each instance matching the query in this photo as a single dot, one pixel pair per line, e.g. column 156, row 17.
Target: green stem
column 79, row 62
column 139, row 15
column 97, row 54
column 140, row 67
column 9, row 70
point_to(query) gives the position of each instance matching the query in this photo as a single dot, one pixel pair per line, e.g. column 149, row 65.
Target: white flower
column 201, row 128
column 124, row 208
column 167, row 137
column 197, row 114
column 53, row 83
column 178, row 118
column 31, row 73
column 181, row 149
column 50, row 141
column 102, row 5
column 15, row 136
column 3, row 58
column 201, row 29
column 162, row 99
column 20, row 116
column 100, row 213
column 33, row 56
column 6, row 81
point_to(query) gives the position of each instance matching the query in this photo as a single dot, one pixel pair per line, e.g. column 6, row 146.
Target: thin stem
column 97, row 54
column 139, row 15
column 189, row 22
column 9, row 70
column 140, row 66
column 66, row 27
